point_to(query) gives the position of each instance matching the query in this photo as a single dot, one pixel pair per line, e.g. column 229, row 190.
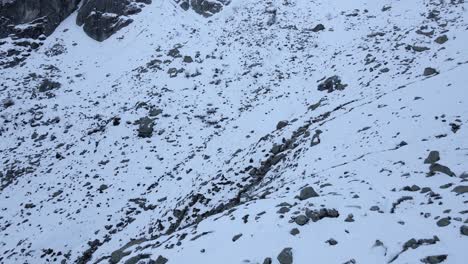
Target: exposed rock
column 443, row 222
column 294, row 231
column 349, row 218
column 434, row 259
column 317, row 215
column 433, row 157
column 43, row 15
column 441, row 39
column 436, row 167
column 331, row 84
column 145, row 128
column 430, row 71
column 48, row 85
column 208, row 8
column 102, row 18
column 161, row 260
column 318, row 28
column 331, row 242
column 464, row 230
column 301, row 220
column 285, row 256
column 267, row 261
column 306, row 193
column 281, row 124
column 420, row 48
column 461, row 189
column 236, row 237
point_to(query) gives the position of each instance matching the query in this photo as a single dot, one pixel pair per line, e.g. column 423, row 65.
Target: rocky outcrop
column 205, row 8
column 43, row 16
column 102, row 18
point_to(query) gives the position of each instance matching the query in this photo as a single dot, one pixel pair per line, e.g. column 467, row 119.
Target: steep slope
column 165, row 141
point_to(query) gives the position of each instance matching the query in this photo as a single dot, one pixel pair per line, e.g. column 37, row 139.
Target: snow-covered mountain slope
column 184, row 139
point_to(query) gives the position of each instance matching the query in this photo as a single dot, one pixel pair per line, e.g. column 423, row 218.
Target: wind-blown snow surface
column 78, row 186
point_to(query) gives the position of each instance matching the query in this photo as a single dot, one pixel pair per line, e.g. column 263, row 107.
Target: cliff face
column 44, row 16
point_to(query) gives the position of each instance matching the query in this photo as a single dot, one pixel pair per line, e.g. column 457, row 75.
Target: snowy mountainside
column 185, row 139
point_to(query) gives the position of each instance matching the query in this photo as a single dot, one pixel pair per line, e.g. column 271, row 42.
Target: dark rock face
column 332, row 84
column 43, row 15
column 102, row 18
column 205, row 8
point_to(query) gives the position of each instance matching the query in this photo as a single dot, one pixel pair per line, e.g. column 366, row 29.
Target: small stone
column 374, row 208
column 430, row 71
column 441, row 39
column 283, row 210
column 318, row 28
column 434, row 259
column 443, row 222
column 161, row 260
column 267, row 261
column 460, row 189
column 285, row 256
column 464, row 230
column 301, row 220
column 294, row 231
column 188, row 59
column 281, row 124
column 433, row 157
column 349, row 218
column 331, row 242
column 236, row 237
column 419, row 48
column 306, row 193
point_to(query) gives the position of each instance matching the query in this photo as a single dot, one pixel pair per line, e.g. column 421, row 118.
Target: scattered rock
column 349, row 218
column 236, row 237
column 430, row 71
column 301, row 220
column 464, row 230
column 285, row 256
column 434, row 259
column 433, row 157
column 306, row 193
column 281, row 124
column 161, row 260
column 294, row 231
column 267, row 261
column 331, row 242
column 436, row 167
column 145, row 128
column 318, row 28
column 460, row 189
column 441, row 39
column 443, row 222
column 332, row 84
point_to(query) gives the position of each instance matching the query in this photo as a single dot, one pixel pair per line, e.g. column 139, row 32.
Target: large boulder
column 102, row 18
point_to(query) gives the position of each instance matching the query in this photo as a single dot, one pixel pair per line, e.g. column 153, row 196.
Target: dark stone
column 267, row 261
column 44, row 16
column 208, row 8
column 145, row 128
column 443, row 222
column 436, row 167
column 236, row 237
column 433, row 157
column 461, row 189
column 430, row 71
column 441, row 39
column 48, row 85
column 301, row 220
column 281, row 124
column 434, row 259
column 318, row 28
column 294, row 231
column 161, row 260
column 331, row 84
column 102, row 18
column 306, row 193
column 464, row 230
column 285, row 256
